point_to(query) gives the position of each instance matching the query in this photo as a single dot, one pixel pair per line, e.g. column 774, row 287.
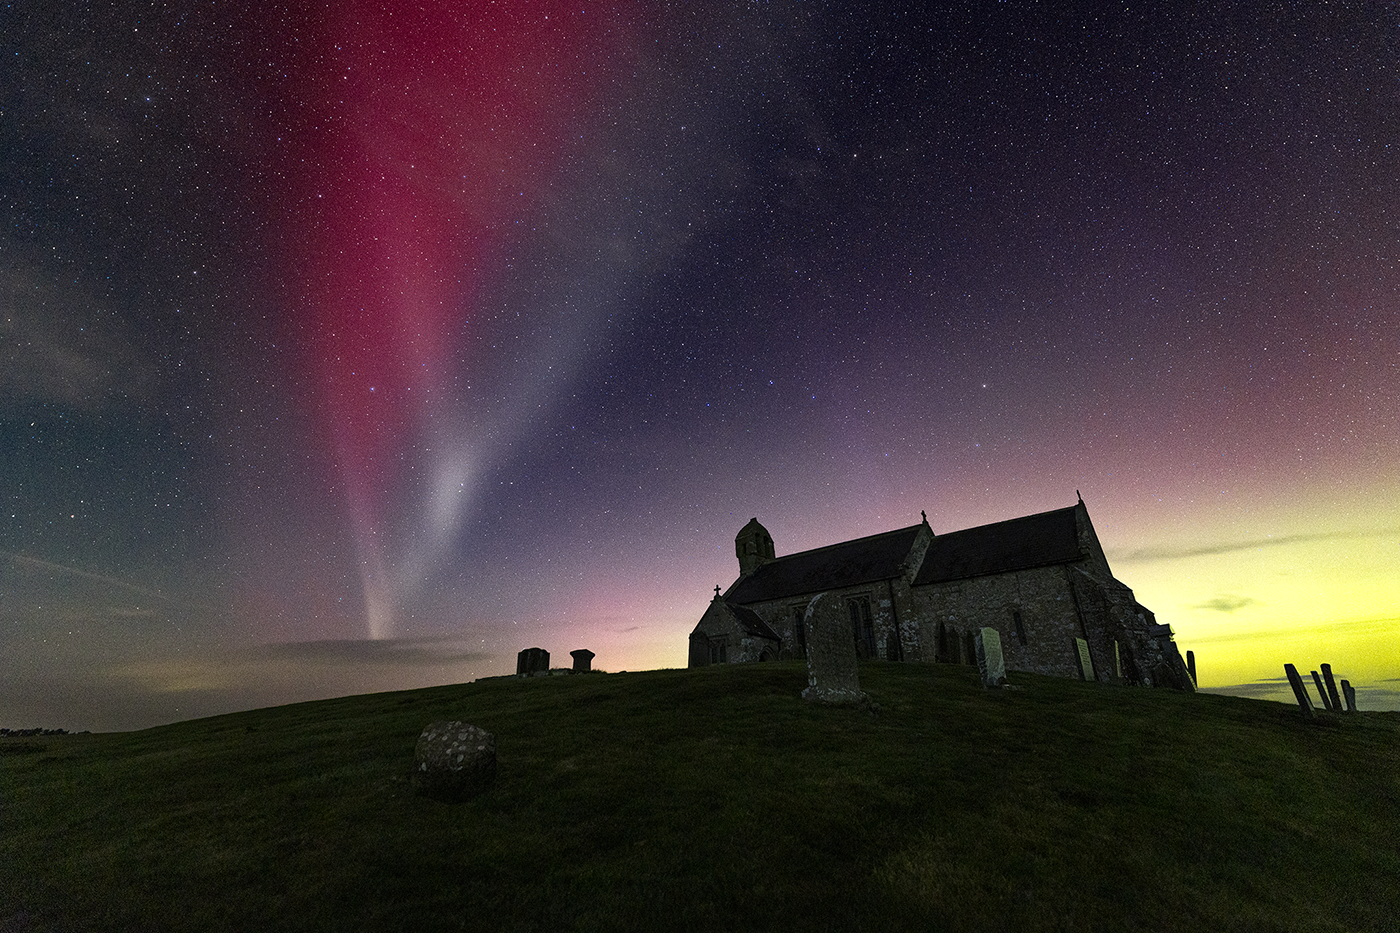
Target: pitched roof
column 877, row 557
column 752, row 623
column 1015, row 544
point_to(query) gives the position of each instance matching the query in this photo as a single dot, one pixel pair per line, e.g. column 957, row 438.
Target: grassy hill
column 718, row 800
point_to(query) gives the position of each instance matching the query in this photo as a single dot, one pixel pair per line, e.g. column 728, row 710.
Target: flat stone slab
column 990, row 661
column 1086, row 660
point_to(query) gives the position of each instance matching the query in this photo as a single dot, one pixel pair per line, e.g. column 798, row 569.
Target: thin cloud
column 1317, row 631
column 1228, row 602
column 1148, row 554
column 55, row 347
column 36, row 563
column 388, row 651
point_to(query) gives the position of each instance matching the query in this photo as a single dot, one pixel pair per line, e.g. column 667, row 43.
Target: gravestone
column 1300, row 692
column 1349, row 692
column 583, row 660
column 1086, row 660
column 532, row 661
column 1322, row 692
column 831, row 654
column 1334, row 701
column 453, row 761
column 1191, row 665
column 990, row 661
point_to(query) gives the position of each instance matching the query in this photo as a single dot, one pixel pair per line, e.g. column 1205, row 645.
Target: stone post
column 1334, row 701
column 1191, row 666
column 1299, row 691
column 1322, row 692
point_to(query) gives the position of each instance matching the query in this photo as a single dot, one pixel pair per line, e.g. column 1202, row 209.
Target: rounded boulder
column 453, row 761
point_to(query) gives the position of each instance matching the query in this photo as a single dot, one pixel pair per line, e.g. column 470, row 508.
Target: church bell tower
column 753, row 545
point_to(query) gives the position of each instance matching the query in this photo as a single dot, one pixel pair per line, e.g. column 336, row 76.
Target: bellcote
column 753, row 545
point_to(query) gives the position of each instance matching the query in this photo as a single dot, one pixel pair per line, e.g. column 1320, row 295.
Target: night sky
column 357, row 346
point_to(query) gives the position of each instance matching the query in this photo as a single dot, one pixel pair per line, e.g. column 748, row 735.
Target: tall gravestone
column 990, row 661
column 831, row 654
column 1322, row 692
column 1300, row 692
column 583, row 660
column 1335, row 700
column 532, row 661
column 1086, row 660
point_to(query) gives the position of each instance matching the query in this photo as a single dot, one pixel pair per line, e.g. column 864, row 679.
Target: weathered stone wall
column 1055, row 605
column 890, row 602
column 1038, row 613
column 719, row 628
column 1043, row 642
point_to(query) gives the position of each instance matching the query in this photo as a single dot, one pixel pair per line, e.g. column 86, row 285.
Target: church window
column 862, row 625
column 1020, row 626
column 799, row 631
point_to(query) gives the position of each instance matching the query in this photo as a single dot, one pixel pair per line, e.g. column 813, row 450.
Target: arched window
column 862, row 625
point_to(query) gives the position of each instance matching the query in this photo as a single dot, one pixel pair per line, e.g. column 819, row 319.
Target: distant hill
column 716, row 799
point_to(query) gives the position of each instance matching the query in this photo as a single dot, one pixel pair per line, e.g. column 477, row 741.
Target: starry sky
column 356, row 346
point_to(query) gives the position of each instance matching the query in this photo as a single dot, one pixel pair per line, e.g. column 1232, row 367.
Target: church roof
column 850, row 563
column 752, row 623
column 1015, row 544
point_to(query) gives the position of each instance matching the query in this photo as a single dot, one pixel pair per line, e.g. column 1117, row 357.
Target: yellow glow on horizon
column 1304, row 599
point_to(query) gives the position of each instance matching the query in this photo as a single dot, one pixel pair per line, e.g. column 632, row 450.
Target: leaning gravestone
column 1300, row 692
column 1322, row 692
column 989, row 658
column 453, row 761
column 831, row 654
column 1335, row 701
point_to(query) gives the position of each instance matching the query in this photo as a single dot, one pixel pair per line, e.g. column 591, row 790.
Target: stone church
column 1041, row 581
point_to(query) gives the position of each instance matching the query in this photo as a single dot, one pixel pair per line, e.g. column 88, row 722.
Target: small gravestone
column 1300, row 692
column 453, row 761
column 583, row 660
column 831, row 654
column 1086, row 660
column 532, row 661
column 989, row 658
column 1349, row 692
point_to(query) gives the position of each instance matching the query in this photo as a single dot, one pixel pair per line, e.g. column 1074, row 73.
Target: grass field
column 717, row 800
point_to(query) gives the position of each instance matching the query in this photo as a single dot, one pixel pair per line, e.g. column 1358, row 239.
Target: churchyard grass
column 716, row 799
